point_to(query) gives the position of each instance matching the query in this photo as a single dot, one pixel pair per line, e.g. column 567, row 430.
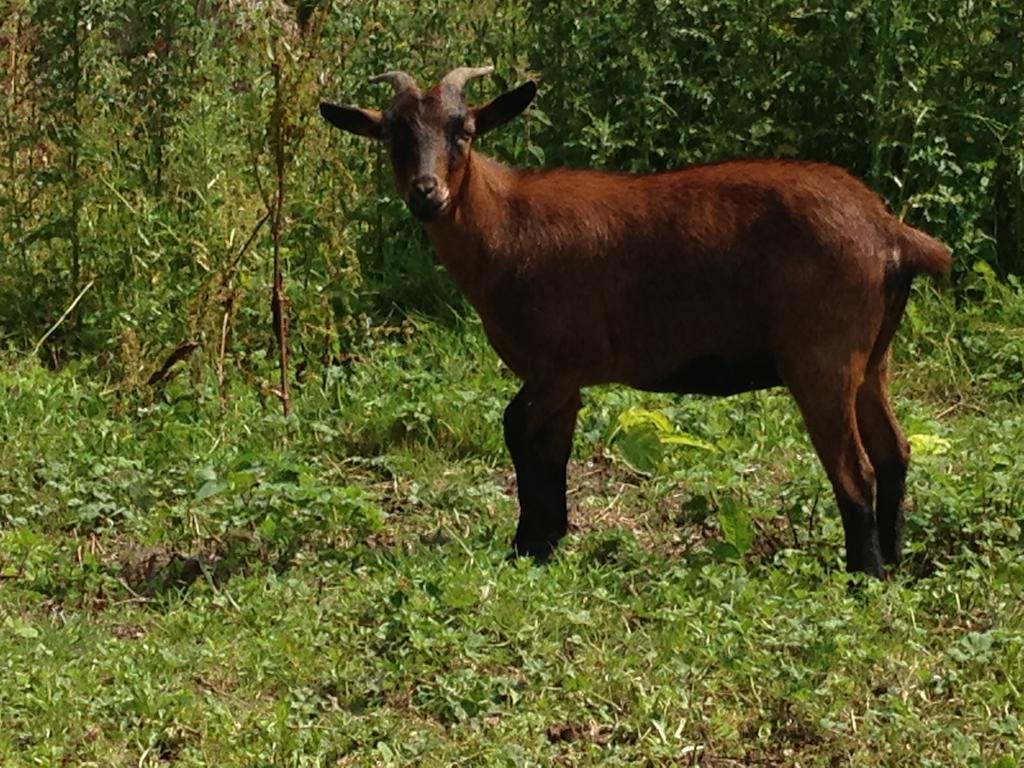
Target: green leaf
column 210, row 488
column 21, row 629
column 985, row 270
column 635, row 417
column 723, row 550
column 641, row 448
column 540, row 116
column 734, row 520
column 681, row 438
column 929, row 445
column 641, row 436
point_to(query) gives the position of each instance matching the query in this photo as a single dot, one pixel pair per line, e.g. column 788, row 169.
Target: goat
column 713, row 279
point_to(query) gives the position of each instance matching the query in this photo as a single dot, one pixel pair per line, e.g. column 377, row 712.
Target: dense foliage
column 140, row 141
column 187, row 577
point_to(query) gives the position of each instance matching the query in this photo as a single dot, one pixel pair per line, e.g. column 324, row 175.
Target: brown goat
column 714, row 279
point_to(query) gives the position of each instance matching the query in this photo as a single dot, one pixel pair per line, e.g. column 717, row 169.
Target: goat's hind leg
column 826, row 396
column 890, row 455
column 538, row 433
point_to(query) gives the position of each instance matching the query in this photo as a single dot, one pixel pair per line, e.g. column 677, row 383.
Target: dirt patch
column 604, row 496
column 568, row 732
column 128, row 631
column 151, row 571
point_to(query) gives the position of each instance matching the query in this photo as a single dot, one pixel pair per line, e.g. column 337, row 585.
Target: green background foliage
column 189, row 578
column 139, row 137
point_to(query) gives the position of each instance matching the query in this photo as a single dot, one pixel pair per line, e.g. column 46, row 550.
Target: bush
column 140, row 145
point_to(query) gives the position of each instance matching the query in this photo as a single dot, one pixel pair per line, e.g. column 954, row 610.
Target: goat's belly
column 715, row 375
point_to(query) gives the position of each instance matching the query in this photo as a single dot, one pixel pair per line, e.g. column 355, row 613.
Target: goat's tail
column 918, row 254
column 923, row 253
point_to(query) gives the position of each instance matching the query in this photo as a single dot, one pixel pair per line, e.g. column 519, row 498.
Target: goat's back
column 619, row 277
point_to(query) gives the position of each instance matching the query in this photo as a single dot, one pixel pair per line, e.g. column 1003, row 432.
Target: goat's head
column 429, row 133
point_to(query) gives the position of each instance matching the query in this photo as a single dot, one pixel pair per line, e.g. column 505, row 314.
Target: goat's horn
column 400, row 81
column 458, row 78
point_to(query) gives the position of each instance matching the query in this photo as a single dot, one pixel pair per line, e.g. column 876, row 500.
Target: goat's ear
column 365, row 122
column 502, row 109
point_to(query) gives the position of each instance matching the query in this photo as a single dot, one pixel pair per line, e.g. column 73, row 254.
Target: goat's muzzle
column 428, row 198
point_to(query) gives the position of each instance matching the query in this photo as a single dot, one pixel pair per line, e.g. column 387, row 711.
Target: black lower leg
column 862, row 548
column 541, row 486
column 543, row 516
column 892, row 478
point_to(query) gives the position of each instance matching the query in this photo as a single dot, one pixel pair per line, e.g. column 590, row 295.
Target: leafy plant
column 641, row 437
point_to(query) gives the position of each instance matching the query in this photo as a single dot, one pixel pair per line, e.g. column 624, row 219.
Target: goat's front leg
column 539, row 425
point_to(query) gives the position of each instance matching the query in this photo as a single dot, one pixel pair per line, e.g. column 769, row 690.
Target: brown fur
column 587, row 278
column 717, row 278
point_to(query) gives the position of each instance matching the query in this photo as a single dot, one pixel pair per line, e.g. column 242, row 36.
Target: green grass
column 189, row 583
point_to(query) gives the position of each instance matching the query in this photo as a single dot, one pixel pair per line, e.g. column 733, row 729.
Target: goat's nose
column 425, row 185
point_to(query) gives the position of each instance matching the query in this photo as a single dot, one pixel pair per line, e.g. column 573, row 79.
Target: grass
column 186, row 583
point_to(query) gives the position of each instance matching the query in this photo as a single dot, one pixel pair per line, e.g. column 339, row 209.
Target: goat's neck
column 468, row 242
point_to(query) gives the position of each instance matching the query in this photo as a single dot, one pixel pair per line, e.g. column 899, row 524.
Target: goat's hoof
column 892, row 557
column 874, row 569
column 540, row 550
